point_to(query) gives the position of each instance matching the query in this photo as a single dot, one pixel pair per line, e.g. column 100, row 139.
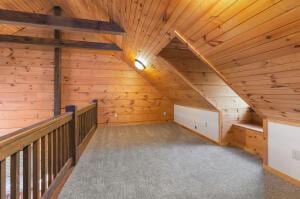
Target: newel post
column 96, row 113
column 73, row 132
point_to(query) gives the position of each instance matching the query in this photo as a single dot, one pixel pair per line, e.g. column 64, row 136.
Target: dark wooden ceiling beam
column 59, row 22
column 59, row 43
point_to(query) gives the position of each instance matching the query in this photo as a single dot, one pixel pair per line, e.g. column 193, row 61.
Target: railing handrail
column 18, row 141
column 86, row 108
column 49, row 150
column 30, row 128
column 25, row 129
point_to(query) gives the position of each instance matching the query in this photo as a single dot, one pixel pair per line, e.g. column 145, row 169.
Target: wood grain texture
column 123, row 95
column 26, row 85
column 58, row 43
column 207, row 82
column 249, row 138
column 61, row 22
column 253, row 44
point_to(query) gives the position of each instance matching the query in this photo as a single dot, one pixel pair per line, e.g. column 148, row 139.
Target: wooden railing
column 36, row 161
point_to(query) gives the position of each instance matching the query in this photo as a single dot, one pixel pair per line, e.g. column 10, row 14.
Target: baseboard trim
column 198, row 134
column 282, row 175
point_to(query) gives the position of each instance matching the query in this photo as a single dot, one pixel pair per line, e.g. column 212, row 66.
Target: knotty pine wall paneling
column 26, row 85
column 257, row 38
column 125, row 97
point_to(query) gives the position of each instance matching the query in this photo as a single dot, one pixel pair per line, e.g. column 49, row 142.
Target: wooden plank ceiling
column 254, row 44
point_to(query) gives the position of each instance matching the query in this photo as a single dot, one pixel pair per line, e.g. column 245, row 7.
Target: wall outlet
column 296, row 154
column 116, row 114
column 165, row 113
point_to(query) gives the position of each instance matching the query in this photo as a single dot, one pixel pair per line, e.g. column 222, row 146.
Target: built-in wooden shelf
column 248, row 137
column 254, row 127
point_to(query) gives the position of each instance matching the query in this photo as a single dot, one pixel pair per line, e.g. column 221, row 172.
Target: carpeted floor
column 165, row 161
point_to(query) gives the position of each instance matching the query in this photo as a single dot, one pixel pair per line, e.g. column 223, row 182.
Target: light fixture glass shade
column 139, row 65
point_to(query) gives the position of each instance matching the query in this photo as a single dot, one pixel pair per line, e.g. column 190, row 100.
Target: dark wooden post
column 73, row 132
column 96, row 102
column 2, row 179
column 57, row 69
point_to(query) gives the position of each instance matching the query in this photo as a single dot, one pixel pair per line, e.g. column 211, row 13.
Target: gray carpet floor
column 165, row 161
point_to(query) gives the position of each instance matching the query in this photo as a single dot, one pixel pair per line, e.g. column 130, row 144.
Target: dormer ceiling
column 253, row 44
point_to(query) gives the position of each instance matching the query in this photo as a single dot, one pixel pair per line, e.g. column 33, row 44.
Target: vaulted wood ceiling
column 254, row 44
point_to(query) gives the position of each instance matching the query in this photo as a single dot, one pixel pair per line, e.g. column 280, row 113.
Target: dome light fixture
column 139, row 65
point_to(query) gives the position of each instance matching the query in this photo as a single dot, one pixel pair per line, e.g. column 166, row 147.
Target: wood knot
column 268, row 37
column 7, row 52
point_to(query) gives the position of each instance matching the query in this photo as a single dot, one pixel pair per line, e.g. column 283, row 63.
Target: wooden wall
column 207, row 81
column 124, row 96
column 253, row 44
column 26, row 85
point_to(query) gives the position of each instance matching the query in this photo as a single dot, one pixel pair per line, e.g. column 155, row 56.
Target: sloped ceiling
column 209, row 83
column 201, row 75
column 254, row 44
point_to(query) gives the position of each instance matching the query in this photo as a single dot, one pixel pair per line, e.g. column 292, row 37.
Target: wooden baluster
column 43, row 166
column 93, row 117
column 90, row 119
column 15, row 176
column 50, row 158
column 88, row 122
column 73, row 133
column 36, row 169
column 65, row 143
column 3, row 179
column 59, row 149
column 62, row 145
column 96, row 112
column 85, row 124
column 27, row 172
column 81, row 127
column 55, row 169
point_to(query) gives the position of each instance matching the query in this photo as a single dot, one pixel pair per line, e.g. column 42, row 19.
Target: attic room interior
column 150, row 99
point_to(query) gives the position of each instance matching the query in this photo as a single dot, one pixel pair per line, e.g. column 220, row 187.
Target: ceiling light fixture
column 139, row 65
